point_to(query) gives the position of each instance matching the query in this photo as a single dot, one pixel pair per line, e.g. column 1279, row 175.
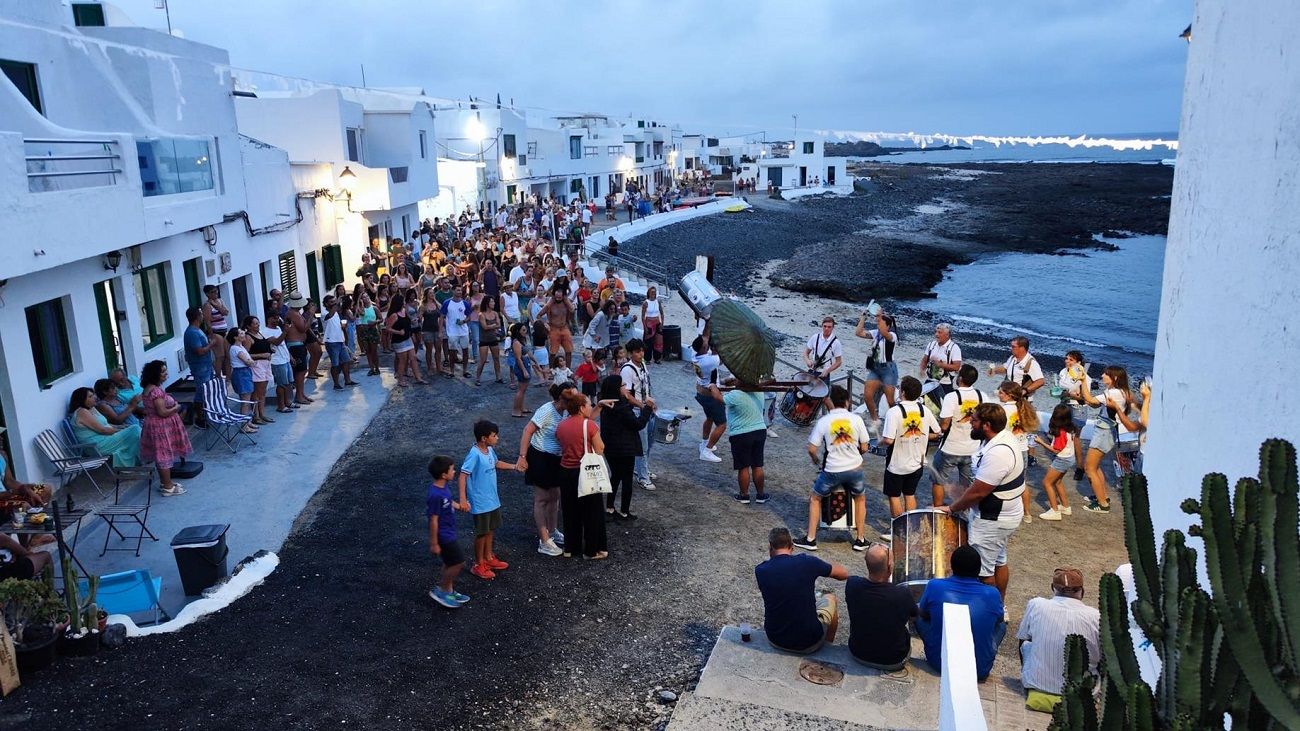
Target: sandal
column 285, row 410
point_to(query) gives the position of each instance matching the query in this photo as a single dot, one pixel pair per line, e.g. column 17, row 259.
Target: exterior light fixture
column 112, row 260
column 1186, row 34
column 347, row 179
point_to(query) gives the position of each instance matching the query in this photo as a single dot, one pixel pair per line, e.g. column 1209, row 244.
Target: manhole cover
column 820, row 673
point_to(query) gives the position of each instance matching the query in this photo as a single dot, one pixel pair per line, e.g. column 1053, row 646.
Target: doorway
column 313, row 277
column 110, row 334
column 774, row 176
column 240, row 289
column 803, row 176
column 830, row 175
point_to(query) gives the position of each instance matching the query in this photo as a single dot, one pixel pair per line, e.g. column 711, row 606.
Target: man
column 987, row 623
column 559, row 313
column 794, row 617
column 909, row 429
column 1021, row 367
column 942, row 359
column 746, row 428
column 835, row 447
column 878, row 615
column 128, row 387
column 609, row 285
column 706, row 364
column 455, row 313
column 824, row 352
column 18, row 562
column 340, row 358
column 636, row 389
column 276, row 303
column 958, row 446
column 198, row 355
column 1046, row 624
column 586, row 221
column 993, row 498
column 295, row 338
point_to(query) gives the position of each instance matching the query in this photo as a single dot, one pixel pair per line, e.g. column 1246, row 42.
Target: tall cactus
column 1078, row 708
column 83, row 614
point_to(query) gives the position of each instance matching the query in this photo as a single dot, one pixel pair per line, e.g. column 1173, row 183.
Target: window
column 575, row 147
column 575, row 185
column 523, row 160
column 173, row 165
column 713, row 142
column 355, row 141
column 47, row 326
column 399, row 174
column 659, row 149
column 332, row 258
column 193, row 282
column 406, row 226
column 613, row 150
column 508, row 148
column 23, row 76
column 85, row 15
column 591, row 151
column 640, row 123
column 289, row 270
column 155, row 304
column 424, row 145
column 807, row 148
column 511, row 191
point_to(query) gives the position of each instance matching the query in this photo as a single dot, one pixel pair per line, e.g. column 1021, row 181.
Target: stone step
column 699, row 713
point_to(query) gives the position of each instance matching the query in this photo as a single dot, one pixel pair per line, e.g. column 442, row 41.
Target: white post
column 959, row 697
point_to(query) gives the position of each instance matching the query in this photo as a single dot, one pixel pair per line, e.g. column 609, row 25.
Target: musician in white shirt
column 824, row 352
column 1021, row 368
column 942, row 358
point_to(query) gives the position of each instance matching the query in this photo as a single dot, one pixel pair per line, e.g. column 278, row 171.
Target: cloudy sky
column 1008, row 67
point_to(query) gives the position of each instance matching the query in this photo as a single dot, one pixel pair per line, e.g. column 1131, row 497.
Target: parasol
column 742, row 342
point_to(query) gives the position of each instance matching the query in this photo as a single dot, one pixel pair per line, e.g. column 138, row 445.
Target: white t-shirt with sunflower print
column 910, row 425
column 958, row 406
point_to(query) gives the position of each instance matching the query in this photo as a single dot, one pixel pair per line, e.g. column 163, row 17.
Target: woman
column 489, row 338
column 368, row 333
column 402, row 278
column 241, row 371
column 163, row 440
column 1022, row 422
column 122, row 443
column 475, row 298
column 398, row 327
column 652, row 323
column 620, row 430
column 259, row 349
column 315, row 335
column 519, row 360
column 416, row 314
column 110, row 404
column 1073, row 381
column 584, row 520
column 882, row 371
column 383, row 295
column 539, row 458
column 1115, row 398
column 430, row 333
column 541, row 356
column 597, row 335
column 348, row 313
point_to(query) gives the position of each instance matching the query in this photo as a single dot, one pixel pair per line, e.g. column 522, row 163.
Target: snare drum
column 805, row 403
column 923, row 542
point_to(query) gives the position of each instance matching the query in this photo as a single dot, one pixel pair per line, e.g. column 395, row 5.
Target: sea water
column 1041, row 153
column 1103, row 303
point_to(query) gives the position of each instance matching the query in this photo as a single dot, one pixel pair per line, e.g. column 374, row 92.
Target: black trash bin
column 201, row 556
column 672, row 342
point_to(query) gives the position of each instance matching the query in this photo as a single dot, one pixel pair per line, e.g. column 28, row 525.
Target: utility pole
column 796, row 125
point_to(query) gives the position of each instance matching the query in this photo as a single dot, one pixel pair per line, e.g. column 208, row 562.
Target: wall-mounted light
column 347, row 179
column 112, row 260
column 1187, row 34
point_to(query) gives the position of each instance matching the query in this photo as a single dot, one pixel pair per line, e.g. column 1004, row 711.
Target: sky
column 997, row 67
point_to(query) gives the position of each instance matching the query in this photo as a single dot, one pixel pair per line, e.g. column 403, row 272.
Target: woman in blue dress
column 122, row 443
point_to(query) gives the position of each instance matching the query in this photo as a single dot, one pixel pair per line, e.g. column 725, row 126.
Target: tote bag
column 593, row 474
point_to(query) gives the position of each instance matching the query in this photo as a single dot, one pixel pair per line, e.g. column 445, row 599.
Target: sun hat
column 296, row 300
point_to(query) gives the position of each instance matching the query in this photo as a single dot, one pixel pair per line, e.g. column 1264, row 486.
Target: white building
column 782, row 164
column 119, row 146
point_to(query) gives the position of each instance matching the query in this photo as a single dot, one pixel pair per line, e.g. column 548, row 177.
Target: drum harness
column 979, row 399
column 819, row 359
column 947, row 358
column 990, row 506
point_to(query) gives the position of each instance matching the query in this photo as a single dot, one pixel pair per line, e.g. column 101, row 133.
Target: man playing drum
column 909, row 429
column 835, row 447
column 824, row 352
column 707, row 364
column 959, row 446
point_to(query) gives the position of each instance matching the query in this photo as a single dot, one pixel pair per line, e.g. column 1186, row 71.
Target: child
column 1062, row 430
column 542, row 357
column 478, row 494
column 561, row 373
column 619, row 357
column 588, row 374
column 440, row 509
column 1022, row 421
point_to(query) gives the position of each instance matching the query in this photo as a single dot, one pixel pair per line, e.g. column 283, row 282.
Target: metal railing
column 60, row 167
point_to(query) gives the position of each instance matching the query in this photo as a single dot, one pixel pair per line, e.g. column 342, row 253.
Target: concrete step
column 698, row 713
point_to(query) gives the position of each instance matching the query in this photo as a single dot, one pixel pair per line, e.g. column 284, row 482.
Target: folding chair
column 137, row 512
column 129, row 592
column 223, row 424
column 71, row 461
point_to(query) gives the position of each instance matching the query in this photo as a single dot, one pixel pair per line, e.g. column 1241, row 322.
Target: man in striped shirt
column 1046, row 624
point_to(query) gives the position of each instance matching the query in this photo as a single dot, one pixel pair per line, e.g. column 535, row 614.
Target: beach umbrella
column 742, row 341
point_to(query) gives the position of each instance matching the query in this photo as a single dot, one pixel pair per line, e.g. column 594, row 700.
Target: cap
column 1067, row 579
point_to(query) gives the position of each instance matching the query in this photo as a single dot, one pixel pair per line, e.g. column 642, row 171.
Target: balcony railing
column 66, row 164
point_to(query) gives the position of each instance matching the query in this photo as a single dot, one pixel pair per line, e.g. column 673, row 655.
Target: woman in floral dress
column 163, row 440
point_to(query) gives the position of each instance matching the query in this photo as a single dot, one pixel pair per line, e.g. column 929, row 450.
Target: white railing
column 64, row 164
column 960, row 708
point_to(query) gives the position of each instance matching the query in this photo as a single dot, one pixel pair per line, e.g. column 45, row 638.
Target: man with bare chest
column 558, row 314
column 295, row 337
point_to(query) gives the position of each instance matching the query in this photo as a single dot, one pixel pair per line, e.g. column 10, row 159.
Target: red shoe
column 483, row 572
column 497, row 564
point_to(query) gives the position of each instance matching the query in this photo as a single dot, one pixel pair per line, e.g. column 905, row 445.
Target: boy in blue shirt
column 478, row 494
column 440, row 509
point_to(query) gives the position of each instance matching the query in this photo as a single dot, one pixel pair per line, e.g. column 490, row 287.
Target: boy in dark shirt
column 440, row 509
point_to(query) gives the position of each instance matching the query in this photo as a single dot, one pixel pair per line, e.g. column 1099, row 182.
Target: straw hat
column 296, row 300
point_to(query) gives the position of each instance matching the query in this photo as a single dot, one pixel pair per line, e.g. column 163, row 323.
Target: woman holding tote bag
column 584, row 517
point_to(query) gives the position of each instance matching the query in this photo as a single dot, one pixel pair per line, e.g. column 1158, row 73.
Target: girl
column 398, row 327
column 475, row 298
column 1063, row 433
column 241, row 371
column 588, row 374
column 1022, row 420
column 1115, row 398
column 542, row 357
column 652, row 321
column 489, row 335
column 430, row 332
column 1073, row 381
column 368, row 333
column 561, row 373
column 518, row 358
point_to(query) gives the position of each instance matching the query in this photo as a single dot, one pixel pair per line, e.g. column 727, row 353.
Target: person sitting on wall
column 1042, row 633
column 879, row 612
column 987, row 625
column 796, row 619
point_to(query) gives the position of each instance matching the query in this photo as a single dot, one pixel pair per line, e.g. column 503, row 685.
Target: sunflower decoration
column 912, row 425
column 1013, row 423
column 965, row 409
column 842, row 432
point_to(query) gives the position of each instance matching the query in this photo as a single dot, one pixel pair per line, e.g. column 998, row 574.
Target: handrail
column 67, row 141
column 76, row 164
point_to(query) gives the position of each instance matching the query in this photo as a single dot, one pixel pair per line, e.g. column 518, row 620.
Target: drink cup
column 746, row 634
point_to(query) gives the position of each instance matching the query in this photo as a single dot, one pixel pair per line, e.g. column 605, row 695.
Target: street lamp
column 347, row 179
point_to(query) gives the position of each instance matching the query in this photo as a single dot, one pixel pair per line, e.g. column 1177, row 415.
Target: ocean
column 1041, row 153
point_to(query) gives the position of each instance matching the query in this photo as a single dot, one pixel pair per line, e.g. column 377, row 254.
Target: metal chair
column 223, row 424
column 137, row 512
column 71, row 461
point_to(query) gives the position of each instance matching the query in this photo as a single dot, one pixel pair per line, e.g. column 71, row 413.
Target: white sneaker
column 648, row 485
column 557, row 537
column 708, row 456
column 771, row 433
column 873, row 430
column 704, row 444
column 1028, row 519
column 548, row 548
column 1050, row 515
column 1066, row 510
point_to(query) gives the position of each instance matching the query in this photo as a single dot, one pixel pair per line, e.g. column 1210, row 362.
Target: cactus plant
column 82, row 615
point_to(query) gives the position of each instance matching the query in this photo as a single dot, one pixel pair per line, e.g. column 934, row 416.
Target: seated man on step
column 796, row 619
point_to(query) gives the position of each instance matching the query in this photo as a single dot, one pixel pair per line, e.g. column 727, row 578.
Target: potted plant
column 31, row 611
column 81, row 637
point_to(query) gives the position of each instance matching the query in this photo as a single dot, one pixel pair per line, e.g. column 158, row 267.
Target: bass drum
column 923, row 543
column 805, row 403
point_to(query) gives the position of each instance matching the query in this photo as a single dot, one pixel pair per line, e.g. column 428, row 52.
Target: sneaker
column 626, row 516
column 548, row 548
column 443, row 598
column 1027, row 519
column 1066, row 510
column 859, row 544
column 707, row 456
column 887, row 537
column 771, row 433
column 497, row 564
column 760, row 498
column 742, row 499
column 653, row 476
column 704, row 444
column 806, row 543
column 483, row 572
column 1052, row 514
column 1095, row 507
column 175, row 490
column 647, row 485
column 557, row 538
column 873, row 430
column 459, row 597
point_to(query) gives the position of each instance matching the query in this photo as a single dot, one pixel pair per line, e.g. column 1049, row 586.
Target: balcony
column 172, row 165
column 67, row 164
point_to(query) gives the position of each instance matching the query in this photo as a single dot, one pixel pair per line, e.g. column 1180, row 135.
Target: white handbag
column 593, row 473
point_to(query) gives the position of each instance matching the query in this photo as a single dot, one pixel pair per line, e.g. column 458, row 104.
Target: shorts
column 850, row 480
column 241, row 380
column 1103, row 437
column 541, row 356
column 1061, row 464
column 403, row 346
column 900, row 485
column 944, row 461
column 451, row 553
column 543, row 468
column 283, row 374
column 886, row 373
column 747, row 449
column 430, row 337
column 713, row 408
column 458, row 342
column 20, row 568
column 298, row 358
column 338, row 353
column 520, row 370
column 1079, row 415
column 827, row 609
column 989, row 538
column 485, row 523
